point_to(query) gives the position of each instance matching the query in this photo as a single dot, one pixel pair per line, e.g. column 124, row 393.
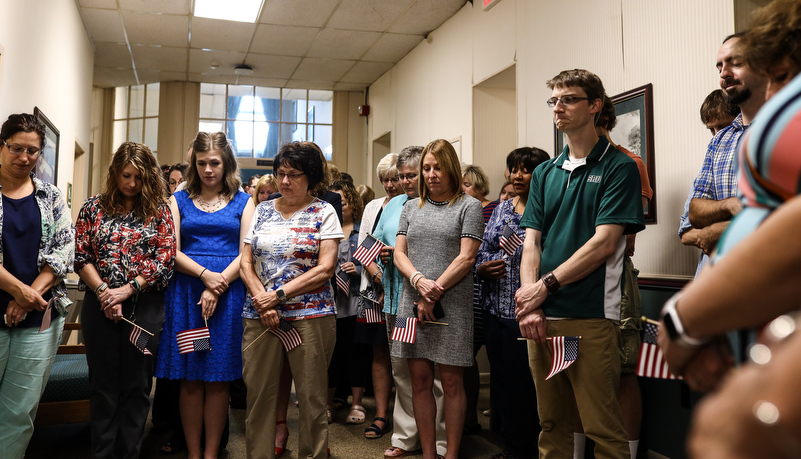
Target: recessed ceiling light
column 229, row 10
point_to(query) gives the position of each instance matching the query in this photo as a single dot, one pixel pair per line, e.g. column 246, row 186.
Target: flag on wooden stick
column 510, row 241
column 368, row 250
column 197, row 339
column 565, row 352
column 651, row 363
column 140, row 337
column 288, row 335
column 405, row 329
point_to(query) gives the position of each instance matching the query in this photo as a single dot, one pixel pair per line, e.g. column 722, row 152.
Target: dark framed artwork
column 47, row 169
column 635, row 132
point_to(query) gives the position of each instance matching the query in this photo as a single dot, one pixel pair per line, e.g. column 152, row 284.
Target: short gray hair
column 410, row 156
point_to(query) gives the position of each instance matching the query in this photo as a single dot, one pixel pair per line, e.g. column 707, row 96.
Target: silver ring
column 108, row 301
column 114, row 315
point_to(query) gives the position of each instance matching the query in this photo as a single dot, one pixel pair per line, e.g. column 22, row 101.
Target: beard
column 737, row 96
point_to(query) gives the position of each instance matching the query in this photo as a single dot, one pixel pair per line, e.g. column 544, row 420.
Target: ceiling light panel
column 229, row 10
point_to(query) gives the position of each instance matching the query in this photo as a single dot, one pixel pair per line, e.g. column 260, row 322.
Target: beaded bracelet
column 101, row 288
column 416, row 276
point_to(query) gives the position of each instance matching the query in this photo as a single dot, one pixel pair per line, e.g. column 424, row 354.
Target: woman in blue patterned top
column 498, row 278
column 289, row 257
column 38, row 245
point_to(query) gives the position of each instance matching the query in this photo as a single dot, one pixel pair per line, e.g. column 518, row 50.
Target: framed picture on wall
column 635, row 132
column 47, row 169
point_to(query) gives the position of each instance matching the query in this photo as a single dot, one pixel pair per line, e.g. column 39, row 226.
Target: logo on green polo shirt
column 594, row 179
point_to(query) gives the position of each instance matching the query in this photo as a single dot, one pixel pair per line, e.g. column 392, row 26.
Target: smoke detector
column 243, row 69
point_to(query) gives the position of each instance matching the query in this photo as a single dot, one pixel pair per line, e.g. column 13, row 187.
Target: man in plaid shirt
column 713, row 198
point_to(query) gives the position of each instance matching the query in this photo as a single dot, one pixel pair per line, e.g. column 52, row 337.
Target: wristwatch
column 280, row 294
column 674, row 326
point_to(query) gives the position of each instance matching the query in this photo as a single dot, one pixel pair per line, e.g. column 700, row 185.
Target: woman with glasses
column 175, row 176
column 289, row 257
column 124, row 254
column 212, row 216
column 37, row 251
column 372, row 333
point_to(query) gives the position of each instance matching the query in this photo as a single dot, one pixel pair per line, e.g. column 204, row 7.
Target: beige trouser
column 261, row 370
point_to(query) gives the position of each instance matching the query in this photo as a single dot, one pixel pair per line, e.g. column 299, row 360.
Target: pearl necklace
column 210, row 206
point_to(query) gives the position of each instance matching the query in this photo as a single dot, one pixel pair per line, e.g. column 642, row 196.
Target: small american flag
column 288, row 335
column 368, row 250
column 197, row 339
column 343, row 281
column 405, row 329
column 565, row 352
column 48, row 315
column 370, row 310
column 139, row 339
column 510, row 241
column 651, row 364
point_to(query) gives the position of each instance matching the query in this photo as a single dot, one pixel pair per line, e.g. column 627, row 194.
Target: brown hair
column 216, row 141
column 716, row 106
column 774, row 34
column 354, row 200
column 152, row 195
column 586, row 80
column 443, row 151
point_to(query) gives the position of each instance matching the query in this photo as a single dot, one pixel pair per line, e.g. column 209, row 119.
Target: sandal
column 356, row 415
column 375, row 430
column 395, row 452
column 170, row 448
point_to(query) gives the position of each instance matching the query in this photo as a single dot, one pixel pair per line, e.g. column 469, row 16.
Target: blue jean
column 26, row 357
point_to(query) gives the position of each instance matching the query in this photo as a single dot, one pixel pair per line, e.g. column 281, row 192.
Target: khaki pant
column 589, row 384
column 262, row 364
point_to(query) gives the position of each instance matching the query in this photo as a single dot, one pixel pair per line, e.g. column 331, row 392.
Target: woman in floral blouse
column 35, row 255
column 124, row 253
column 289, row 257
column 498, row 279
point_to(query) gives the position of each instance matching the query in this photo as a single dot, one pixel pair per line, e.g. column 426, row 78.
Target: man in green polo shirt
column 581, row 205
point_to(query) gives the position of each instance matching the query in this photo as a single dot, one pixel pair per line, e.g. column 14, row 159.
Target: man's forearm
column 704, row 212
column 591, row 255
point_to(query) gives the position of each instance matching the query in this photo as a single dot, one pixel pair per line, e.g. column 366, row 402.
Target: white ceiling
column 313, row 44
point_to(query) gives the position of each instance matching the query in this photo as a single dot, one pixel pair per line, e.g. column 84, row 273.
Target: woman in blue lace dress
column 211, row 219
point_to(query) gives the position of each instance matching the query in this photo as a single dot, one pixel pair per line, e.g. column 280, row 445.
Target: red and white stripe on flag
column 372, row 316
column 368, row 250
column 343, row 281
column 193, row 340
column 651, row 364
column 565, row 352
column 509, row 241
column 287, row 334
column 405, row 329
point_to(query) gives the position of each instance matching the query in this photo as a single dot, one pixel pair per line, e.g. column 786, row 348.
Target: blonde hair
column 266, row 179
column 445, row 155
column 152, row 196
column 477, row 178
column 216, row 141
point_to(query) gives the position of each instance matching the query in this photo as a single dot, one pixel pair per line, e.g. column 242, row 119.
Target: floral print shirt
column 122, row 246
column 285, row 248
column 57, row 245
column 498, row 296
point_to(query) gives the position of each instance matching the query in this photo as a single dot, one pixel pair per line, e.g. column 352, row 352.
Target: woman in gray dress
column 438, row 238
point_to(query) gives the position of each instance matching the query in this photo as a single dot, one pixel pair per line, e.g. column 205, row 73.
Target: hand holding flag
column 651, row 363
column 368, row 250
column 510, row 241
column 343, row 281
column 197, row 339
column 565, row 352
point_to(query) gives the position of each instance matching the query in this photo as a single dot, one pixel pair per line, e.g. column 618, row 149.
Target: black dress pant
column 121, row 376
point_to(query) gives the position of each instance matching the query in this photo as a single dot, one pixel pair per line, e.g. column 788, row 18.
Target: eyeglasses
column 408, row 177
column 565, row 100
column 394, row 179
column 19, row 149
column 292, row 177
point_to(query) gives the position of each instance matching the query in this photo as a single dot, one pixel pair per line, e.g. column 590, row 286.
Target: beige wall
column 628, row 43
column 47, row 62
